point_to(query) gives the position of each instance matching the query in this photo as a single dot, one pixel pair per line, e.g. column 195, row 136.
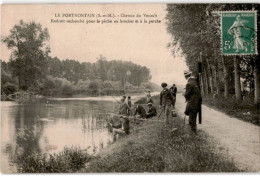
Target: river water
column 49, row 126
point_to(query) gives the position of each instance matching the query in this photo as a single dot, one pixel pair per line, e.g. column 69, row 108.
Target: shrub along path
column 241, row 139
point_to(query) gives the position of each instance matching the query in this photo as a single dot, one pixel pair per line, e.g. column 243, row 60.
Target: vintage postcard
column 130, row 88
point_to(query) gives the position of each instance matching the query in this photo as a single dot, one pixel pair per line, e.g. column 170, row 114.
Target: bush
column 8, row 88
column 69, row 160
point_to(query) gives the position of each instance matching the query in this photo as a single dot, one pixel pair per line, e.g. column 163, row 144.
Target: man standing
column 173, row 89
column 166, row 100
column 193, row 98
column 123, row 108
column 149, row 97
column 129, row 105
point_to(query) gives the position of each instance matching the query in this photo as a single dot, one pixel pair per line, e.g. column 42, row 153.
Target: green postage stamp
column 239, row 32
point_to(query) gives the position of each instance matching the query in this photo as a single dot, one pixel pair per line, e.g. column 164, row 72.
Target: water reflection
column 48, row 127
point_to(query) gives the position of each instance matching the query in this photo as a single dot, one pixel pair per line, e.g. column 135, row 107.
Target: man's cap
column 150, row 104
column 186, row 73
column 164, row 84
column 129, row 96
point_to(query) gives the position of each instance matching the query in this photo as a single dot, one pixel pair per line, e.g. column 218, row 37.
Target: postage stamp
column 239, row 32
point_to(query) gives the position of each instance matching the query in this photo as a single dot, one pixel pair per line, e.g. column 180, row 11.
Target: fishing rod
column 111, row 95
column 131, row 117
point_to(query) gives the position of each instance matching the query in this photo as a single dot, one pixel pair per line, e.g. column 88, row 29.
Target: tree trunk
column 206, row 82
column 257, row 86
column 209, row 77
column 201, row 84
column 237, row 80
column 226, row 78
column 216, row 77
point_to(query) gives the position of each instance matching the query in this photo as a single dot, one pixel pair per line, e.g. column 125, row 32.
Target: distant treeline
column 30, row 68
column 69, row 77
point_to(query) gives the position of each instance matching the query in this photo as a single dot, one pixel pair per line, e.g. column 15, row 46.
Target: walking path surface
column 241, row 139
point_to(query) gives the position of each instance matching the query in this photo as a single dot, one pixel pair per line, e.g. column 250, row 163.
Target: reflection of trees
column 29, row 130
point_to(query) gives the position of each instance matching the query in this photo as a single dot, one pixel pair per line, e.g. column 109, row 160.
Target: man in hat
column 166, row 101
column 129, row 105
column 123, row 108
column 139, row 113
column 173, row 89
column 151, row 111
column 122, row 128
column 193, row 98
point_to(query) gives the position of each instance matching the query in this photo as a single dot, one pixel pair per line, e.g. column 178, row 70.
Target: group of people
column 166, row 103
column 125, row 112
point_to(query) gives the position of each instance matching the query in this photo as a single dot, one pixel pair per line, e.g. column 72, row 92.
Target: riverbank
column 152, row 147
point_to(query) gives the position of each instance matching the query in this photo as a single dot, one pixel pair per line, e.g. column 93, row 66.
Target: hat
column 186, row 72
column 150, row 104
column 164, row 84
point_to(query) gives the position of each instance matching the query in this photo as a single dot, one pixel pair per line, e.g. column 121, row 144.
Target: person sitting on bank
column 140, row 113
column 151, row 111
column 122, row 128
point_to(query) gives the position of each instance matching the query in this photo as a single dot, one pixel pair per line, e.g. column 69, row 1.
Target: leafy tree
column 28, row 42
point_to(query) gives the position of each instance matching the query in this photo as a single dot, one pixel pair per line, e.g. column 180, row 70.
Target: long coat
column 193, row 96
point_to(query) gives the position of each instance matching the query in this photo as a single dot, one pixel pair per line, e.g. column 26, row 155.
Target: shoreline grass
column 67, row 161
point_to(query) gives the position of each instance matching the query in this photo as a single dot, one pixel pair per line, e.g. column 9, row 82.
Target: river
column 49, row 126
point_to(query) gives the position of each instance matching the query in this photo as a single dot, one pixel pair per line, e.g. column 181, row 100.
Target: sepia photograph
column 130, row 88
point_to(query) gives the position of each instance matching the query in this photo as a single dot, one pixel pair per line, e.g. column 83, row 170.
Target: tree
column 27, row 41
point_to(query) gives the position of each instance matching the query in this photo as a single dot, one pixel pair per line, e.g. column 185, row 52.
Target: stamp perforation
column 255, row 28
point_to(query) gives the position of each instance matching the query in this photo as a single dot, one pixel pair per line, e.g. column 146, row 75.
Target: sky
column 141, row 43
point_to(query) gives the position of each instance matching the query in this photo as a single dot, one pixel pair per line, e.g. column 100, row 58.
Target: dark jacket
column 123, row 109
column 166, row 97
column 151, row 112
column 173, row 90
column 193, row 96
column 141, row 111
column 124, row 124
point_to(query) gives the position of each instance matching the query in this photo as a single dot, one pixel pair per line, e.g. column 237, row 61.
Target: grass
column 246, row 110
column 152, row 147
column 68, row 160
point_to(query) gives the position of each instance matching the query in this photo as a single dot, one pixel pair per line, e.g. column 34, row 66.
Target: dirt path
column 241, row 139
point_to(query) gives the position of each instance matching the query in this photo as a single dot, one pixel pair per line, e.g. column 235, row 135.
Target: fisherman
column 151, row 111
column 122, row 128
column 193, row 98
column 173, row 89
column 149, row 97
column 123, row 108
column 140, row 113
column 166, row 101
column 129, row 105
